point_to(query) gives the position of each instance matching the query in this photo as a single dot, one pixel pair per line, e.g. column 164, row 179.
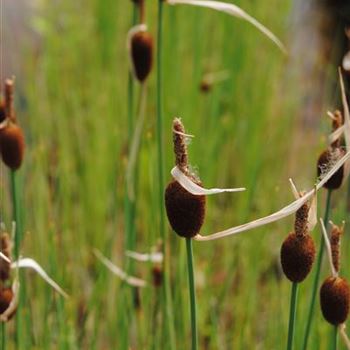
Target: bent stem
column 292, row 312
column 317, row 273
column 192, row 292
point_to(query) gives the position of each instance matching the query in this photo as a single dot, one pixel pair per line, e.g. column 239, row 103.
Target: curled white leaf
column 193, row 188
column 344, row 336
column 4, row 317
column 132, row 281
column 156, row 257
column 232, row 10
column 328, row 248
column 280, row 214
column 4, row 257
column 32, row 264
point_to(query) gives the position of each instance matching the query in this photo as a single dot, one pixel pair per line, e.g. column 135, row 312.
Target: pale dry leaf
column 234, row 11
column 193, row 188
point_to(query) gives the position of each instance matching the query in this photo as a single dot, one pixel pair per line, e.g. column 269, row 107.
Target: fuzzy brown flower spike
column 141, row 50
column 298, row 249
column 331, row 155
column 185, row 210
column 335, row 291
column 11, row 135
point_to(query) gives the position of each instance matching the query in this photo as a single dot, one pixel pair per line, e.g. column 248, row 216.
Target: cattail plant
column 186, row 209
column 12, row 152
column 335, row 151
column 10, row 282
column 298, row 255
column 335, row 290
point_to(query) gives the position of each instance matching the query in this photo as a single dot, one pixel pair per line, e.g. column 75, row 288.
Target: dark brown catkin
column 335, row 246
column 2, row 111
column 6, row 296
column 5, row 248
column 157, row 274
column 324, row 161
column 298, row 249
column 335, row 300
column 301, row 220
column 185, row 211
column 12, row 145
column 297, row 256
column 332, row 154
column 142, row 54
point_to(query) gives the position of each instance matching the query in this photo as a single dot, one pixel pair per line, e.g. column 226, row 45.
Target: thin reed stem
column 130, row 206
column 15, row 218
column 3, row 335
column 292, row 313
column 192, row 293
column 15, row 212
column 334, row 338
column 168, row 314
column 317, row 273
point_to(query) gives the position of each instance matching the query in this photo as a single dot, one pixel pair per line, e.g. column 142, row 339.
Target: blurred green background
column 255, row 129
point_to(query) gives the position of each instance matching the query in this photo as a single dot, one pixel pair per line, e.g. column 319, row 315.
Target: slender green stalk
column 160, row 164
column 3, row 336
column 335, row 338
column 292, row 313
column 192, row 293
column 160, row 122
column 15, row 212
column 15, row 218
column 317, row 273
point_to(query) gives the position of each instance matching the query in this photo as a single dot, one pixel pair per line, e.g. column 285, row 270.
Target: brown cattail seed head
column 5, row 248
column 297, row 256
column 157, row 274
column 326, row 159
column 142, row 54
column 12, row 145
column 6, row 296
column 335, row 300
column 185, row 210
column 2, row 111
column 301, row 220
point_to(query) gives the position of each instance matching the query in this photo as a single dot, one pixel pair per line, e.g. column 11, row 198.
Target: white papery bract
column 234, row 11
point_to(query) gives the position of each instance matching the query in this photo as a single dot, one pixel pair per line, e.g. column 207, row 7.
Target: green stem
column 15, row 212
column 160, row 121
column 166, row 286
column 3, row 336
column 192, row 292
column 334, row 338
column 317, row 273
column 292, row 312
column 15, row 218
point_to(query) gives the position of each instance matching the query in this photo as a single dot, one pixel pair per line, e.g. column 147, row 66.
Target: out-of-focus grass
column 74, row 177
